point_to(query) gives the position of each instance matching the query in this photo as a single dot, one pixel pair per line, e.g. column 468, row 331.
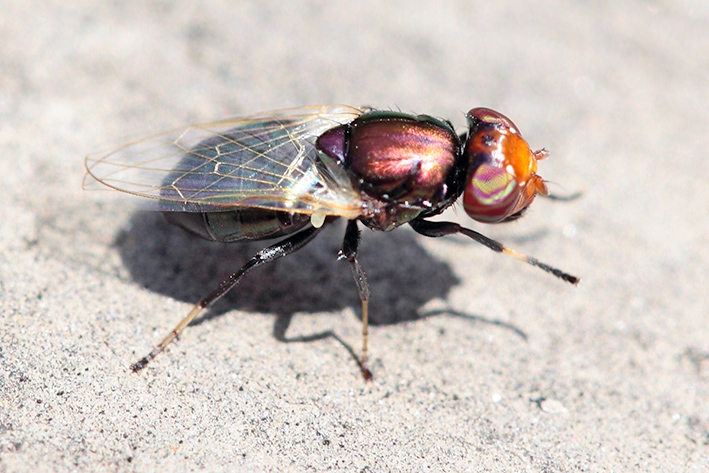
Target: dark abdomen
column 236, row 225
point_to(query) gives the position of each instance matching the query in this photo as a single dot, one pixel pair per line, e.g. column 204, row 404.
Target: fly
column 288, row 173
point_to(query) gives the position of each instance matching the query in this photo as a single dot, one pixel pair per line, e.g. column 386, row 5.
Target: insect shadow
column 402, row 276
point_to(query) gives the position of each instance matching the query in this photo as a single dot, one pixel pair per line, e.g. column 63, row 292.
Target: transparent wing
column 265, row 161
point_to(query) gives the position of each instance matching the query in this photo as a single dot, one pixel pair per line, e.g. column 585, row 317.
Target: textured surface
column 524, row 373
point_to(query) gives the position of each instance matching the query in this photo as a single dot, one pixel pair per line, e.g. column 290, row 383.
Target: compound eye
column 491, row 194
column 484, row 116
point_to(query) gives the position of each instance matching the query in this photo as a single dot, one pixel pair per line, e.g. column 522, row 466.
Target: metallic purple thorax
column 402, row 164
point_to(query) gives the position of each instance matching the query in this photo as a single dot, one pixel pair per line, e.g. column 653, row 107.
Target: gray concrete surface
column 524, row 373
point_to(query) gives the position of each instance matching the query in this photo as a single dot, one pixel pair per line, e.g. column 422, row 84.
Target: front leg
column 439, row 229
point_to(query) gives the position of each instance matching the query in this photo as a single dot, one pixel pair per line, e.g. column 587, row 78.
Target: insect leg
column 266, row 255
column 439, row 229
column 350, row 245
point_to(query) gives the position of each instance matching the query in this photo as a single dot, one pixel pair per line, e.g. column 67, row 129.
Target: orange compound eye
column 502, row 179
column 491, row 194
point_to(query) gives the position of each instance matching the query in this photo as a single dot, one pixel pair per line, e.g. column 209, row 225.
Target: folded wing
column 264, row 161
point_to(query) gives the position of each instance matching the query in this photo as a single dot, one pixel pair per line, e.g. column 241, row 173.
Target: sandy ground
column 481, row 363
